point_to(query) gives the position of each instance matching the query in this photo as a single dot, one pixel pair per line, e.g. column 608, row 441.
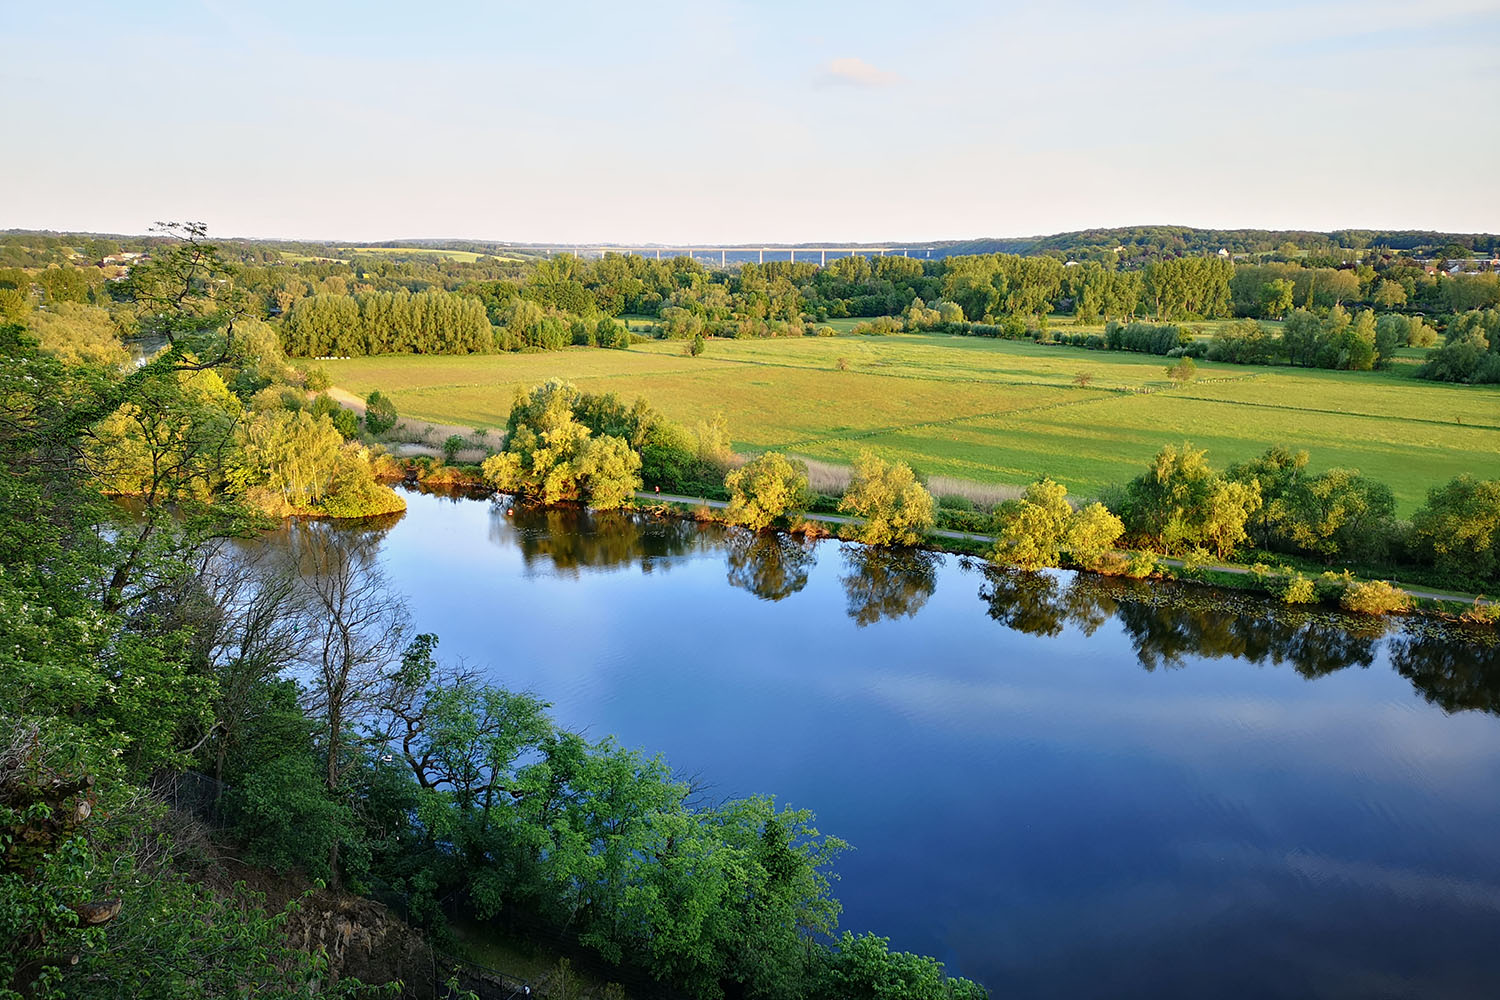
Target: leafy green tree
column 317, row 379
column 611, row 470
column 864, row 968
column 1034, row 531
column 380, row 413
column 1341, row 514
column 1389, row 294
column 1276, row 297
column 1031, row 532
column 552, row 456
column 1092, row 533
column 1279, row 477
column 1181, row 504
column 1243, row 342
column 1458, row 529
column 766, row 489
column 79, row 334
column 897, row 509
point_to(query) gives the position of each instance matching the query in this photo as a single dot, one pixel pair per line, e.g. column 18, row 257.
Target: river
column 1059, row 785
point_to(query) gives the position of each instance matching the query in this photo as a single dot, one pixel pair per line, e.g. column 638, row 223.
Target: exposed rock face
column 362, row 939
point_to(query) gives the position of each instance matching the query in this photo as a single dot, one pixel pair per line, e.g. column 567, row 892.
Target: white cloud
column 855, row 71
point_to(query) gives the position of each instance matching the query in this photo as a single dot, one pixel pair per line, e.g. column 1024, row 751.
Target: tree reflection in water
column 770, row 564
column 1166, row 622
column 1456, row 673
column 571, row 539
column 1453, row 666
column 889, row 583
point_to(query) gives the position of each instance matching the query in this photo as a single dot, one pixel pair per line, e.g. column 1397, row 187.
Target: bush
column 1182, row 371
column 1330, row 587
column 453, row 446
column 1296, row 589
column 1374, row 597
column 318, row 379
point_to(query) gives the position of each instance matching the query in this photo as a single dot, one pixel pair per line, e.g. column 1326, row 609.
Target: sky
column 736, row 122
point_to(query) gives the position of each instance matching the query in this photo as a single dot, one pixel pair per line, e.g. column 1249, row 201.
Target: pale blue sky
column 735, row 121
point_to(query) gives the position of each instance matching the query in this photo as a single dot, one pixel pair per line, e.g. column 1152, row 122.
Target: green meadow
column 991, row 411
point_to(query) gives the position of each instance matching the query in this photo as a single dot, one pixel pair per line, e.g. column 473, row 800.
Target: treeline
column 1333, row 339
column 1272, row 504
column 370, row 303
column 1144, row 242
column 430, row 322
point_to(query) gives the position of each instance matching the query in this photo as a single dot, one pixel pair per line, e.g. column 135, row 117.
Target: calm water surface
column 1060, row 786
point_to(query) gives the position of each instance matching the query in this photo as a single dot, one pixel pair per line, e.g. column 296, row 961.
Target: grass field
column 986, row 410
column 466, row 256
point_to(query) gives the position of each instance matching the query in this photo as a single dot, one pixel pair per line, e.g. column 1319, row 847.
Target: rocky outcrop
column 364, row 940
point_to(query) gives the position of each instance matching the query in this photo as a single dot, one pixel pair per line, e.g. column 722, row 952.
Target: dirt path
column 421, row 437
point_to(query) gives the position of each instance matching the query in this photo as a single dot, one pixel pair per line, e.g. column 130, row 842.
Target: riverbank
column 428, row 473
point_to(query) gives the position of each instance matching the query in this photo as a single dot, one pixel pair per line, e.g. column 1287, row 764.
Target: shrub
column 1330, row 587
column 1183, row 371
column 453, row 446
column 1296, row 589
column 318, row 379
column 1374, row 597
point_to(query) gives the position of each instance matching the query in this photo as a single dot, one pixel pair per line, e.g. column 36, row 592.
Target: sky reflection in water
column 1061, row 786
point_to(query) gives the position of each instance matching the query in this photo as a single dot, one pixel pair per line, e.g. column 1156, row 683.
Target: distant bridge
column 740, row 253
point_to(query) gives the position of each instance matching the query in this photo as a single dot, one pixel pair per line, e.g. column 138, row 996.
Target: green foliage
column 380, row 413
column 551, row 456
column 1145, row 338
column 345, row 421
column 399, row 322
column 1034, row 531
column 1183, row 371
column 295, row 462
column 896, row 508
column 1296, row 588
column 1470, row 351
column 1180, row 504
column 1244, row 342
column 864, row 968
column 452, row 446
column 1031, row 532
column 1458, row 530
column 1374, row 597
column 318, row 379
column 768, row 488
column 79, row 333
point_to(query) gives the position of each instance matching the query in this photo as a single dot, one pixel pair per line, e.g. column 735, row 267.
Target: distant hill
column 33, row 248
column 1154, row 240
